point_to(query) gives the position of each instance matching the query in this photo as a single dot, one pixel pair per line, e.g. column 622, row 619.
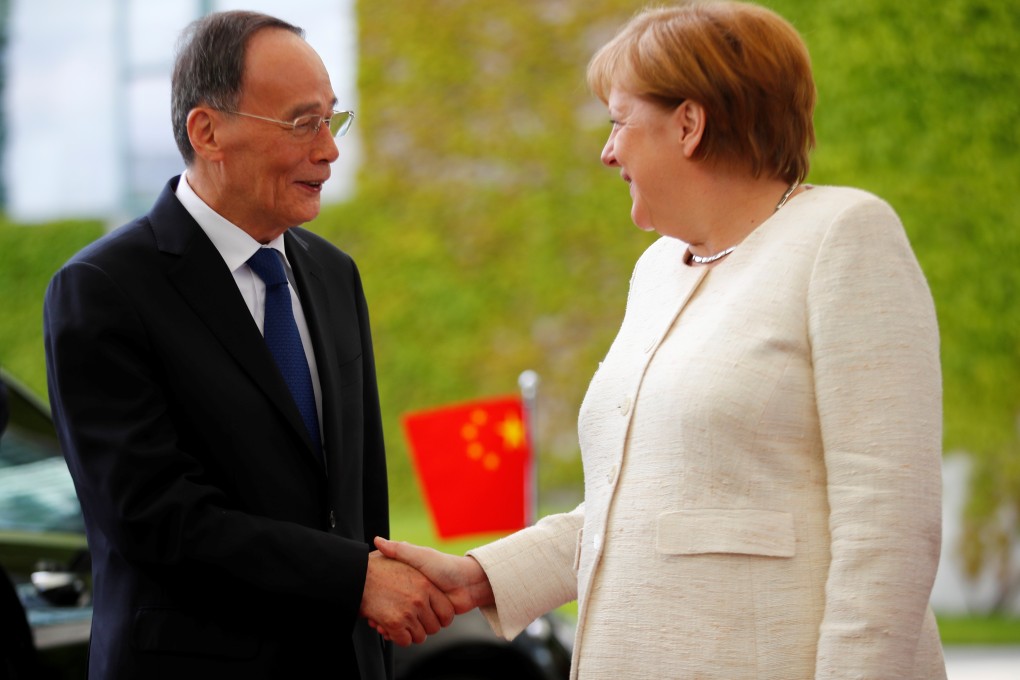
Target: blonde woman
column 762, row 443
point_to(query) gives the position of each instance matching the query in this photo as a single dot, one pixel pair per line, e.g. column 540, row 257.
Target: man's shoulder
column 130, row 240
column 137, row 238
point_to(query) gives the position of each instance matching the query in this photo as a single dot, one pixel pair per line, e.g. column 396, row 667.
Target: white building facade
column 87, row 99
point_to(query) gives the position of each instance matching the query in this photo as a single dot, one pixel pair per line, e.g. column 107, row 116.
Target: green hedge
column 29, row 256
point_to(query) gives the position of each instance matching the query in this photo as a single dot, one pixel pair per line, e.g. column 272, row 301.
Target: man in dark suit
column 230, row 505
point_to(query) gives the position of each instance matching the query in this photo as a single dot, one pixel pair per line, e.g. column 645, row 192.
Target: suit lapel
column 315, row 302
column 208, row 287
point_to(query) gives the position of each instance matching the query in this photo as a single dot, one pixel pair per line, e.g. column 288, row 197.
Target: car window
column 36, row 491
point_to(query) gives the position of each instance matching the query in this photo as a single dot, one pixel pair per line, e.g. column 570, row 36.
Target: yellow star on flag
column 512, row 432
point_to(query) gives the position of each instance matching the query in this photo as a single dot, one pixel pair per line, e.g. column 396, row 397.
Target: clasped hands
column 412, row 591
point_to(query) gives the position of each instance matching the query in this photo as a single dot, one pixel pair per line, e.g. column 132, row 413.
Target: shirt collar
column 234, row 244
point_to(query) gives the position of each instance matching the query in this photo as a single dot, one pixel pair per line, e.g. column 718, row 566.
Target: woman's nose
column 609, row 153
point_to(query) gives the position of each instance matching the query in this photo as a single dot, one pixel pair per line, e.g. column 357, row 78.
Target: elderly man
column 212, row 378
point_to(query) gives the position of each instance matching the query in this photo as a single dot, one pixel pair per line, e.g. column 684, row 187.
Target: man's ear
column 689, row 119
column 205, row 133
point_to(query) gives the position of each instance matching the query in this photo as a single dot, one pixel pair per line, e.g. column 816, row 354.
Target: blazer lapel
column 678, row 283
column 315, row 302
column 205, row 283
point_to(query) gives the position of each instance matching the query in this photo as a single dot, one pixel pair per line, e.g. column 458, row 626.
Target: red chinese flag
column 472, row 461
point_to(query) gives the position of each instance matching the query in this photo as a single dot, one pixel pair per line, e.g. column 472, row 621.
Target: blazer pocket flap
column 741, row 531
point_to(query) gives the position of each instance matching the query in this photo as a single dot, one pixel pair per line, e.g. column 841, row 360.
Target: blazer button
column 332, row 520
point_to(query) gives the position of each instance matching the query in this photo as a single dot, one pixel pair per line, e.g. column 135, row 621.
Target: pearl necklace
column 708, row 259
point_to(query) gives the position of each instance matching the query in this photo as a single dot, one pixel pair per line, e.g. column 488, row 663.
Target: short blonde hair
column 746, row 65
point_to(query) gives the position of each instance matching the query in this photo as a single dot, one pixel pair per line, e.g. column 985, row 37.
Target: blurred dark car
column 45, row 606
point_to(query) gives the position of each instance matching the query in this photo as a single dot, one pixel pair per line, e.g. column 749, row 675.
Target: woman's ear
column 689, row 118
column 204, row 133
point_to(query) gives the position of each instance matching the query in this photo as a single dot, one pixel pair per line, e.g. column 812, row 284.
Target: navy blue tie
column 283, row 339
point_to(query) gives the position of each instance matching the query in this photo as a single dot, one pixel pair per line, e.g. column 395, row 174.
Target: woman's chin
column 641, row 221
column 641, row 224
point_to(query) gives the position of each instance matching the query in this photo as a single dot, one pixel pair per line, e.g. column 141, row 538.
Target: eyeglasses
column 306, row 127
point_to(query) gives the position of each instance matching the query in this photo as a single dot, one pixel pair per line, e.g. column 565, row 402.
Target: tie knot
column 266, row 263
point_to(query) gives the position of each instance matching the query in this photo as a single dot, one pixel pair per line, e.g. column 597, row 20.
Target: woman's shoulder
column 823, row 212
column 834, row 200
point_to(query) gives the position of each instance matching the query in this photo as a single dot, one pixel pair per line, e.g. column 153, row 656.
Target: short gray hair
column 210, row 66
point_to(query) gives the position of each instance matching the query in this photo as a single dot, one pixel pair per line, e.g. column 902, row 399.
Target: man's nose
column 325, row 145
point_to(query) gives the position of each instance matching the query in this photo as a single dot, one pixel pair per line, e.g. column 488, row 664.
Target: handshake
column 411, row 591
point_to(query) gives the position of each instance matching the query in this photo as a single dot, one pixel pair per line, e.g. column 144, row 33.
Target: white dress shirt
column 236, row 247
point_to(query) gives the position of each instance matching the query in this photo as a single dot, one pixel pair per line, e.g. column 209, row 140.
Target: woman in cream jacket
column 762, row 442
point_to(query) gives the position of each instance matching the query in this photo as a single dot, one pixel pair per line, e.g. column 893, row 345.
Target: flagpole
column 528, row 382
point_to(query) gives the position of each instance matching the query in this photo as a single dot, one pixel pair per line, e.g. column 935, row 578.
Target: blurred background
column 492, row 241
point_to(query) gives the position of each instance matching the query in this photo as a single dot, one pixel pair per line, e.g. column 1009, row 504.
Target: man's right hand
column 461, row 578
column 401, row 603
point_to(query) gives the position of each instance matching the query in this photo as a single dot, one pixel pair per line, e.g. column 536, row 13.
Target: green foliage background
column 491, row 240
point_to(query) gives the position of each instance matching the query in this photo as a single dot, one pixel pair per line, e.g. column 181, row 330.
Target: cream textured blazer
column 761, row 451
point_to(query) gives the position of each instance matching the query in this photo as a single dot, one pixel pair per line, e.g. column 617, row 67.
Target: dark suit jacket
column 220, row 546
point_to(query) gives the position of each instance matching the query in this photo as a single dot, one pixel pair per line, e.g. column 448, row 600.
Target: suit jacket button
column 332, row 520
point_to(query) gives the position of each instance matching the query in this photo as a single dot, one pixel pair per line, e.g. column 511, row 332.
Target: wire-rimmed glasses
column 307, row 126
